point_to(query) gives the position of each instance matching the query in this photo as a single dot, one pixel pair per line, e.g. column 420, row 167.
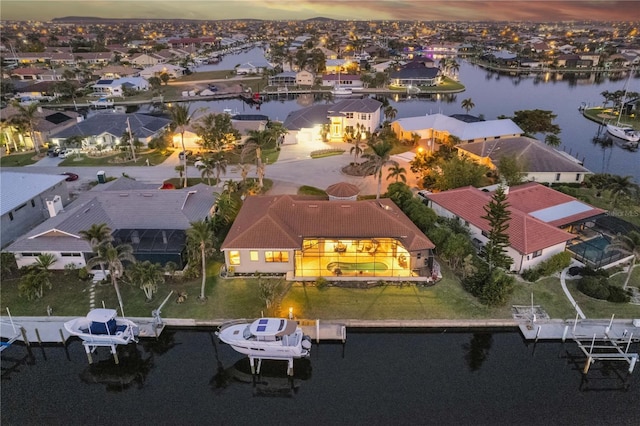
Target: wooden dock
column 319, row 331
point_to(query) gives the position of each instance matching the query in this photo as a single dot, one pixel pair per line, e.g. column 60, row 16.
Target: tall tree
column 377, row 159
column 467, row 104
column 200, row 243
column 114, row 258
column 629, row 244
column 29, row 115
column 621, row 187
column 536, row 121
column 181, row 116
column 96, row 235
column 216, row 131
column 498, row 217
column 510, row 170
column 398, row 173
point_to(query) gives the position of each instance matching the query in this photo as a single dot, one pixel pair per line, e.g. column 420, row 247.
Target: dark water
column 493, row 95
column 376, row 378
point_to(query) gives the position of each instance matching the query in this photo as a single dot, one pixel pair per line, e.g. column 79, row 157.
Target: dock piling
column 38, row 337
column 24, row 336
column 564, row 333
column 62, row 339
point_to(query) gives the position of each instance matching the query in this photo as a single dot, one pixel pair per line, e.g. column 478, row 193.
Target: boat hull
column 125, row 334
column 284, row 347
column 624, row 133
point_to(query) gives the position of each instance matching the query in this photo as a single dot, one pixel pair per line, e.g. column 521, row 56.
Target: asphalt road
column 294, row 168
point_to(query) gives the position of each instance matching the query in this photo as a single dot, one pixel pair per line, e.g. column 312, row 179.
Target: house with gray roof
column 438, row 127
column 330, row 122
column 26, row 199
column 153, row 221
column 106, row 129
column 540, row 162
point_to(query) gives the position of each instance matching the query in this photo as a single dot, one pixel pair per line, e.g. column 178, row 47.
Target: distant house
column 116, row 88
column 305, row 238
column 332, row 121
column 153, row 221
column 113, row 72
column 344, row 80
column 305, row 78
column 157, row 70
column 26, row 73
column 542, row 219
column 435, row 128
column 106, row 129
column 146, row 59
column 253, row 68
column 419, row 72
column 541, row 162
column 284, row 79
column 334, row 66
column 94, row 58
column 26, row 199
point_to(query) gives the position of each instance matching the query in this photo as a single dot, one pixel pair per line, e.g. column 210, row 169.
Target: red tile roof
column 526, row 233
column 282, row 222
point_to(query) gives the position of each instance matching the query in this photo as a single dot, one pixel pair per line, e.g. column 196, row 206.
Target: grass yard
column 155, row 157
column 594, row 308
column 19, row 159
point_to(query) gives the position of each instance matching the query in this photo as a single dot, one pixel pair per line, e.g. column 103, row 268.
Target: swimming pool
column 594, row 252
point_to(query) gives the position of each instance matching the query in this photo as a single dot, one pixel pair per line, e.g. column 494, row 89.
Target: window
column 537, row 254
column 33, row 203
column 577, row 177
column 557, row 177
column 253, row 255
column 234, row 257
column 363, row 116
column 70, row 254
column 21, row 207
column 349, row 115
column 485, row 234
column 28, row 254
column 276, row 256
column 10, row 216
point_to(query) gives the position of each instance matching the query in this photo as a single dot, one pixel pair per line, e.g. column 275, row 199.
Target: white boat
column 626, row 133
column 101, row 326
column 341, row 91
column 267, row 338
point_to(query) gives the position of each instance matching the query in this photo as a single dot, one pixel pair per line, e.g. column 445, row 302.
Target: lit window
column 253, row 255
column 234, row 257
column 276, row 256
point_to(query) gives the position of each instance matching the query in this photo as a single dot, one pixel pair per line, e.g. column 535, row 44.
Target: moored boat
column 102, row 326
column 626, row 133
column 341, row 91
column 268, row 338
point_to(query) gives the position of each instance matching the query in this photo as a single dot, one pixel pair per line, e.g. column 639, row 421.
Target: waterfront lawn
column 68, row 296
column 547, row 293
column 594, row 308
column 19, row 159
column 155, row 157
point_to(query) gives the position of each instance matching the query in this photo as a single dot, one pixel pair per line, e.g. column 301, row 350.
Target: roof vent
column 124, row 195
column 313, row 206
column 345, row 206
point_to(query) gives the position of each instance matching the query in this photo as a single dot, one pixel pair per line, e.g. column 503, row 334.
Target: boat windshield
column 246, row 334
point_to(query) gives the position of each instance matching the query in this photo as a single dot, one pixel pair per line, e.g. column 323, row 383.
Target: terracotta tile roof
column 342, row 190
column 282, row 222
column 526, row 233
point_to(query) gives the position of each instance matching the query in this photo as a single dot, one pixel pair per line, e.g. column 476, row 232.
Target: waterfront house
column 253, row 68
column 305, row 238
column 153, row 221
column 106, row 129
column 26, row 199
column 542, row 220
column 47, row 122
column 331, row 122
column 115, row 88
column 156, row 70
column 435, row 128
column 540, row 162
column 343, row 80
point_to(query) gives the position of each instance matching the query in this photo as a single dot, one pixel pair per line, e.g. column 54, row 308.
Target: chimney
column 54, row 206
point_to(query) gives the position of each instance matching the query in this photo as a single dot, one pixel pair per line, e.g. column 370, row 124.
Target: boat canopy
column 101, row 315
column 272, row 327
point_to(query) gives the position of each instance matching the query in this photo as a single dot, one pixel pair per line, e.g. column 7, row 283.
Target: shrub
column 321, row 282
column 83, row 274
column 555, row 263
column 618, row 295
column 531, row 275
column 588, row 271
column 595, row 287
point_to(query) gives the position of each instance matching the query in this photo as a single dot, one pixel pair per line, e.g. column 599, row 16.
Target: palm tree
column 28, row 114
column 147, row 276
column 113, row 257
column 181, row 117
column 45, row 260
column 200, row 239
column 219, row 165
column 96, row 235
column 620, row 187
column 258, row 140
column 244, row 172
column 629, row 244
column 206, row 168
column 180, row 169
column 356, row 150
column 390, row 113
column 397, row 172
column 467, row 104
column 379, row 157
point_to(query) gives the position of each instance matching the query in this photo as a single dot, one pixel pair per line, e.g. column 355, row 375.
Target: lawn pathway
column 573, row 302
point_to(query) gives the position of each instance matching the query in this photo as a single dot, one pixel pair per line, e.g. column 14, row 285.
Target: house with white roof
column 330, row 122
column 438, row 127
column 253, row 68
column 26, row 199
column 115, row 88
column 542, row 219
column 153, row 221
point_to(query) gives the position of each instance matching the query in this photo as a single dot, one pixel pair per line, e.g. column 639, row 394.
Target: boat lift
column 605, row 347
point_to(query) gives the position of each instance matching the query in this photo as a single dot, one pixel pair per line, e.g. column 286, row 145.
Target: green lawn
column 239, row 298
column 155, row 157
column 19, row 159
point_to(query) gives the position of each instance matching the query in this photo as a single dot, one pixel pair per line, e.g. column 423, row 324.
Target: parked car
column 70, row 176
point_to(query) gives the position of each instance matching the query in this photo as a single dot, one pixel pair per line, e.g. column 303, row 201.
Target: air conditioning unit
column 54, row 206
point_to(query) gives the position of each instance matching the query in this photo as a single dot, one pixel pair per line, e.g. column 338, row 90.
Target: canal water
column 440, row 377
column 493, row 95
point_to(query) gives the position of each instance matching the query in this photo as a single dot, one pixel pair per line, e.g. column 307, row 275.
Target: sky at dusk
column 442, row 10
